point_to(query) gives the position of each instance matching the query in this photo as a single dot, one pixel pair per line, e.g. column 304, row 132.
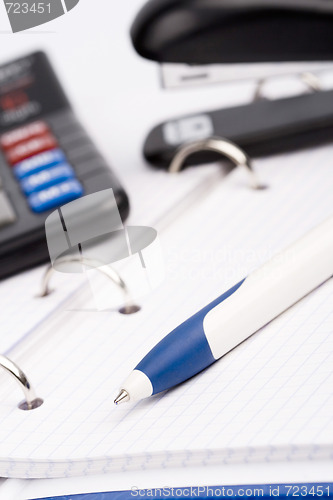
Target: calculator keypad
column 47, row 159
column 40, row 167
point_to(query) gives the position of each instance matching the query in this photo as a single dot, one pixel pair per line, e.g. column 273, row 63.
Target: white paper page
column 269, row 399
column 153, row 197
column 117, row 120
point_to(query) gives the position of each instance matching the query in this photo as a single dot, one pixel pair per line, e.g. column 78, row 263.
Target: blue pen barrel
column 183, row 353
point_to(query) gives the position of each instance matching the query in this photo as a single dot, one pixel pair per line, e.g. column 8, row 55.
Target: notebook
column 237, row 474
column 21, row 293
column 269, row 399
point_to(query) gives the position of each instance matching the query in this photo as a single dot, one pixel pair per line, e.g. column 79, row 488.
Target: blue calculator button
column 38, row 162
column 47, row 178
column 55, row 196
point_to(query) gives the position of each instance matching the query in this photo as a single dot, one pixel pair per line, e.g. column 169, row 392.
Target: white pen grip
column 272, row 289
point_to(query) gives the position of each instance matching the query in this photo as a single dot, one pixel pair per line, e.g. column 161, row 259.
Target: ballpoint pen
column 235, row 316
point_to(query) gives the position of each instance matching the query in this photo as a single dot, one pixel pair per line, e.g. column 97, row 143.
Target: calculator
column 46, row 160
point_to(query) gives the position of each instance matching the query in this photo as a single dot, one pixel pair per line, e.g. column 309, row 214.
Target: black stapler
column 206, row 32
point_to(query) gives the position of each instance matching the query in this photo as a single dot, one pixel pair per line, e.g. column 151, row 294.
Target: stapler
column 205, row 39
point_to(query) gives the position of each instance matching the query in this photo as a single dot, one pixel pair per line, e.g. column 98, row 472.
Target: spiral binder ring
column 129, row 306
column 31, row 401
column 218, row 145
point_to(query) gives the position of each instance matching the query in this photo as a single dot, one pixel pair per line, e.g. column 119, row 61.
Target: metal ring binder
column 311, row 80
column 129, row 306
column 31, row 400
column 217, row 145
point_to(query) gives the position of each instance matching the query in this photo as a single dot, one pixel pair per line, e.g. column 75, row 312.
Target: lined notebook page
column 271, row 398
column 153, row 195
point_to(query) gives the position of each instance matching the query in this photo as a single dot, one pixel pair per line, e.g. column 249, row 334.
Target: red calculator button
column 30, row 148
column 14, row 137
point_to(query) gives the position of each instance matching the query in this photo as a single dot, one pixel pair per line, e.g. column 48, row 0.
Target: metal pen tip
column 122, row 397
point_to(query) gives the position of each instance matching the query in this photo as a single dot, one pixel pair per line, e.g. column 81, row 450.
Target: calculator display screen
column 29, row 89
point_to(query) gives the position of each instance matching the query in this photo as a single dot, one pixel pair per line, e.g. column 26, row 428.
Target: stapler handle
column 234, row 31
column 261, row 128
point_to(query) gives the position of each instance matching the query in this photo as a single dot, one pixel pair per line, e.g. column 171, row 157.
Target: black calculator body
column 46, row 160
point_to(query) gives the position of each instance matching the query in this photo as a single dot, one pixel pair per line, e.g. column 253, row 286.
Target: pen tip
column 122, row 397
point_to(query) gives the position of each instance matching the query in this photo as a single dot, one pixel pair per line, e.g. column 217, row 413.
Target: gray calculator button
column 85, row 150
column 85, row 167
column 61, row 121
column 73, row 137
column 188, row 129
column 7, row 214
